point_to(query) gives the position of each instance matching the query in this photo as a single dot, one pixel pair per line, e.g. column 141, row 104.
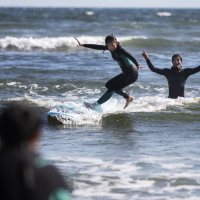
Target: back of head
column 18, row 124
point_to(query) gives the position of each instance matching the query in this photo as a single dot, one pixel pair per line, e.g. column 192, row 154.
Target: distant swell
column 52, row 43
column 36, row 43
column 63, row 43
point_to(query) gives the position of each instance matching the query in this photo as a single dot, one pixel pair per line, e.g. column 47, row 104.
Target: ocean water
column 151, row 149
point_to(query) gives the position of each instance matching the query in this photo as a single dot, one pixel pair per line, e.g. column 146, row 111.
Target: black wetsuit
column 176, row 78
column 25, row 176
column 129, row 72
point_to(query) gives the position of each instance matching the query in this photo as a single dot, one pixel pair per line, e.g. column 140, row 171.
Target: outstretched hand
column 78, row 41
column 145, row 55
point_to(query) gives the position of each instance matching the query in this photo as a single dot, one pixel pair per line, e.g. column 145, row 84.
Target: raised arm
column 92, row 46
column 151, row 66
column 190, row 71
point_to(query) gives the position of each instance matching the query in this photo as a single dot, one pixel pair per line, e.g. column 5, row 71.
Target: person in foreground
column 176, row 75
column 23, row 174
column 126, row 62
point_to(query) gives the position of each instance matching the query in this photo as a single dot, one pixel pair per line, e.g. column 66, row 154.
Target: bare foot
column 128, row 101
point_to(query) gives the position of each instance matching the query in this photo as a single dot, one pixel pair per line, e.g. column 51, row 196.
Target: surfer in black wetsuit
column 176, row 76
column 128, row 65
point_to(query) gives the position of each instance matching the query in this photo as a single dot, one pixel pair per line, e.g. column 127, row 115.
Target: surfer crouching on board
column 128, row 65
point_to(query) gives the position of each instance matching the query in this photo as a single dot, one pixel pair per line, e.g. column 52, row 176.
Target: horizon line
column 95, row 7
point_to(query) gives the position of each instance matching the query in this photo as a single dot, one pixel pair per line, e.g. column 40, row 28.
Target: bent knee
column 108, row 85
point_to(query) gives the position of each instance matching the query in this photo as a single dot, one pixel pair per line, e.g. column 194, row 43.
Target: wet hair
column 177, row 55
column 110, row 38
column 19, row 124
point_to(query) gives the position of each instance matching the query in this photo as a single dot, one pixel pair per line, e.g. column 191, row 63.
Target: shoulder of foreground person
column 49, row 182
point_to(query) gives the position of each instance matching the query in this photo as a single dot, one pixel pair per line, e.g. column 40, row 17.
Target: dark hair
column 110, row 38
column 19, row 124
column 177, row 55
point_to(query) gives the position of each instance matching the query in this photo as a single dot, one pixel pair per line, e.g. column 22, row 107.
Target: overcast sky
column 104, row 3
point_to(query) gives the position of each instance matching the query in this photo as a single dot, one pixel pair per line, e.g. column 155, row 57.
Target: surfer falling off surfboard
column 129, row 67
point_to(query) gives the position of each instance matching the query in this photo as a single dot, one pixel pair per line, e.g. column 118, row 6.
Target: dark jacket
column 176, row 78
column 25, row 176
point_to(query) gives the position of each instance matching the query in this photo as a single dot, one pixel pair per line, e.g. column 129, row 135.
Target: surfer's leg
column 116, row 85
column 109, row 85
column 117, row 82
column 122, row 93
column 128, row 101
column 106, row 96
column 128, row 98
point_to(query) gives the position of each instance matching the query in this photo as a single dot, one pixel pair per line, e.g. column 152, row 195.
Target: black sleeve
column 190, row 71
column 95, row 46
column 154, row 69
column 128, row 55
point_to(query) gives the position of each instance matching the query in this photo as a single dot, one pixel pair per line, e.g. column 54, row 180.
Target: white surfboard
column 71, row 113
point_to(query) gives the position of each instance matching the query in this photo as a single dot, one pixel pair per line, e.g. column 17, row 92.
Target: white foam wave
column 12, row 83
column 72, row 111
column 128, row 177
column 24, row 43
column 15, row 84
column 164, row 14
column 102, row 180
column 89, row 13
column 83, row 116
column 149, row 104
column 51, row 43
